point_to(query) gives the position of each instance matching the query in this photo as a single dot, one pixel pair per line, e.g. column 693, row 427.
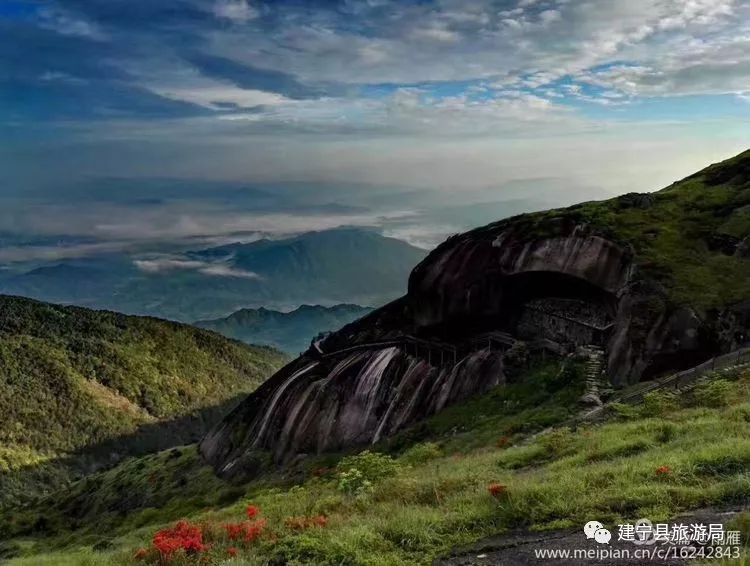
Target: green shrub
column 421, row 453
column 658, row 403
column 358, row 473
column 740, row 413
column 624, row 412
column 373, row 465
column 557, row 441
column 327, row 504
column 715, row 393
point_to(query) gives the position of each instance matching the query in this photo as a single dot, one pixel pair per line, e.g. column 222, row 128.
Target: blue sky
column 462, row 101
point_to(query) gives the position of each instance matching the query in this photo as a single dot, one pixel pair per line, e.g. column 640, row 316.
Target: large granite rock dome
column 598, row 274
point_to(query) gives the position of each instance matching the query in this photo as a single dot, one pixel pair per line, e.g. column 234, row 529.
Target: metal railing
column 675, row 381
column 430, row 349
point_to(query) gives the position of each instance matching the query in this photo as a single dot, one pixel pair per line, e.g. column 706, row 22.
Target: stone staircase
column 678, row 382
column 595, row 382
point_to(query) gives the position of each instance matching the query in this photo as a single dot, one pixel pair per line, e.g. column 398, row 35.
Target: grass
column 437, row 495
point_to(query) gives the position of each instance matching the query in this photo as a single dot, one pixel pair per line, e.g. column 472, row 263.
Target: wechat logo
column 595, row 530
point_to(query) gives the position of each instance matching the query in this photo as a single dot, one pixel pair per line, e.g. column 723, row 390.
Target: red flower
column 320, row 521
column 183, row 536
column 234, row 530
column 662, row 471
column 140, row 554
column 249, row 530
column 252, row 511
column 232, row 551
column 254, row 530
column 497, row 489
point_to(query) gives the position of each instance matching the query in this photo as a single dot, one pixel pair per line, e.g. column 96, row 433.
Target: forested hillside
column 72, row 379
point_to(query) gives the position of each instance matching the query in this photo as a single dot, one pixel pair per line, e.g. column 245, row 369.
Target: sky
column 139, row 124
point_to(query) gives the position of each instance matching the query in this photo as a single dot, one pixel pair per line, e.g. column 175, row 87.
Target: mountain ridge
column 72, row 379
column 289, row 331
column 342, row 265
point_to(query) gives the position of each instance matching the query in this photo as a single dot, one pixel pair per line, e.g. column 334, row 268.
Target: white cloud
column 549, row 16
column 163, row 265
column 216, row 97
column 65, row 23
column 168, row 264
column 227, row 271
column 171, row 78
column 435, row 32
column 423, row 236
column 238, row 11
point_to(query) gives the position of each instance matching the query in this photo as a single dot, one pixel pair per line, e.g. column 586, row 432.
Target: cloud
column 435, row 32
column 188, row 55
column 448, row 95
column 66, row 24
column 227, row 271
column 238, row 11
column 166, row 265
column 219, row 97
column 252, row 77
column 423, row 236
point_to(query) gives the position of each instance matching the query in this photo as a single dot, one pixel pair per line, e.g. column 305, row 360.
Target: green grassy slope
column 668, row 455
column 686, row 237
column 71, row 378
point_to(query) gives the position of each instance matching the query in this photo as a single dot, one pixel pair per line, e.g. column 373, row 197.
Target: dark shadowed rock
column 636, row 200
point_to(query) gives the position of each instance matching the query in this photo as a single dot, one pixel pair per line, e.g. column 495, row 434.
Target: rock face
column 485, row 273
column 498, row 279
column 557, row 281
column 314, row 406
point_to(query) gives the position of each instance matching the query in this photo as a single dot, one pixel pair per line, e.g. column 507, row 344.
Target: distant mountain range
column 291, row 331
column 343, row 265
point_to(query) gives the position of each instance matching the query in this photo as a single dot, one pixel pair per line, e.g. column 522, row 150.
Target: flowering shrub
column 354, row 483
column 249, row 531
column 358, row 473
column 497, row 489
column 184, row 536
column 191, row 540
column 235, row 530
column 302, row 523
column 254, row 530
column 663, row 471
